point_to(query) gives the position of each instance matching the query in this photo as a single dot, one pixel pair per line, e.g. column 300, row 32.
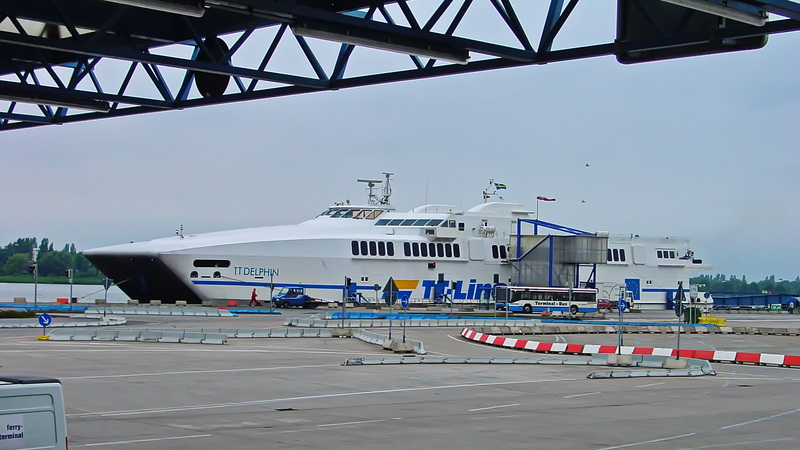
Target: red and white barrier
column 589, row 349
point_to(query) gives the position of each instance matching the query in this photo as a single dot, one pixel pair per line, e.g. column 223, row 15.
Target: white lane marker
column 134, row 412
column 139, row 441
column 191, row 372
column 358, row 422
column 681, row 436
column 494, row 407
column 750, row 422
column 739, row 444
column 582, row 395
column 649, row 385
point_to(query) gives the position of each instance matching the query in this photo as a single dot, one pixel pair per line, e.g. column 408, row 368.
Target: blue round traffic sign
column 45, row 320
column 622, row 305
column 404, row 302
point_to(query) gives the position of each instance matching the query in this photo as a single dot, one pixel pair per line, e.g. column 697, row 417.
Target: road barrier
column 589, row 349
column 160, row 311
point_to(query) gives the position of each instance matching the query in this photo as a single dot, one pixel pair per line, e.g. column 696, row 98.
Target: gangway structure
column 78, row 60
column 554, row 260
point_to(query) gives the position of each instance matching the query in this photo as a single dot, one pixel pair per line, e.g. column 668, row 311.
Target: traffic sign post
column 44, row 321
column 107, row 283
column 345, row 289
column 391, row 296
column 678, row 310
column 622, row 305
column 404, row 304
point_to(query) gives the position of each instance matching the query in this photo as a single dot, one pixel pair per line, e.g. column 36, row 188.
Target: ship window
column 432, row 249
column 456, row 251
column 382, row 222
column 460, row 226
column 659, row 254
column 420, row 222
column 374, row 214
column 361, row 214
column 193, row 274
column 440, row 250
column 451, row 223
column 495, row 252
column 423, row 249
column 390, row 248
column 373, row 248
column 212, row 263
column 408, row 222
column 415, row 248
column 382, row 248
column 616, row 254
column 671, row 254
column 354, row 248
column 608, row 254
column 348, row 213
column 503, row 254
column 622, row 254
column 448, row 250
column 364, row 249
column 217, row 275
column 395, row 222
column 434, row 222
column 407, row 248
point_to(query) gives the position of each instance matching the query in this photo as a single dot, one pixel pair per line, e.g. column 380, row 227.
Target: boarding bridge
column 554, row 260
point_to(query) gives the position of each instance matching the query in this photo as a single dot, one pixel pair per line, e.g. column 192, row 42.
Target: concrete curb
column 652, row 366
column 384, row 323
column 160, row 311
column 111, row 321
column 389, row 344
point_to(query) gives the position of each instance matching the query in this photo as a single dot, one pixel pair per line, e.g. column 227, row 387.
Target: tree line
column 17, row 256
column 735, row 285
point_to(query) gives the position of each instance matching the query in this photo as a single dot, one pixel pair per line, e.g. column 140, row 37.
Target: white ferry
column 434, row 253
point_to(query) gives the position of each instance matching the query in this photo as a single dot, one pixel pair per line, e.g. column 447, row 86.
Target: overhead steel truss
column 88, row 59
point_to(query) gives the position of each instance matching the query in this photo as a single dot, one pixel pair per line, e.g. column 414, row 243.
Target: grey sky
column 702, row 147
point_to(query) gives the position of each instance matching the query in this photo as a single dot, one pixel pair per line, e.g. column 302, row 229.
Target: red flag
column 545, row 199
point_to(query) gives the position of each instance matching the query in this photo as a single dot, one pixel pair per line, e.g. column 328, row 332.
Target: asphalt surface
column 295, row 393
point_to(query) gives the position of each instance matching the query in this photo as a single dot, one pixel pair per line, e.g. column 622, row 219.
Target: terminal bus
column 528, row 299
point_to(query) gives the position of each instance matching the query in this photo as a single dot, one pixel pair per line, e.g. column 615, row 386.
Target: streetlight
column 34, row 268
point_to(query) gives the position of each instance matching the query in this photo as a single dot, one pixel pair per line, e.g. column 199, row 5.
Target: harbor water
column 48, row 293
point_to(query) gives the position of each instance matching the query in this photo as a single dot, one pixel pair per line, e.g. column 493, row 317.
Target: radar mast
column 387, row 190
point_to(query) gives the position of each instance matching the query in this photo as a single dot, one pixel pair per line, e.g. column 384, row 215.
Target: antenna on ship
column 491, row 190
column 372, row 198
column 387, row 190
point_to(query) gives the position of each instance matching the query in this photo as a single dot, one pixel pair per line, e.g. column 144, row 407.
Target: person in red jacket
column 253, row 300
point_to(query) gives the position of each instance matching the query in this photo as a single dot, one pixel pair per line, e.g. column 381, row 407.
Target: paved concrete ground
column 294, row 393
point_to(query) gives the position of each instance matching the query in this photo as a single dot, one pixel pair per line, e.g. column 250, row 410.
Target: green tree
column 54, row 263
column 83, row 266
column 17, row 264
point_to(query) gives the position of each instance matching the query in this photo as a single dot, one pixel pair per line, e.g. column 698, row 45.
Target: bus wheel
column 573, row 309
column 527, row 309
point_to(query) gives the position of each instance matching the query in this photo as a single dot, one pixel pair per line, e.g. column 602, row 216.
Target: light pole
column 69, row 300
column 271, row 295
column 35, row 267
column 35, row 286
